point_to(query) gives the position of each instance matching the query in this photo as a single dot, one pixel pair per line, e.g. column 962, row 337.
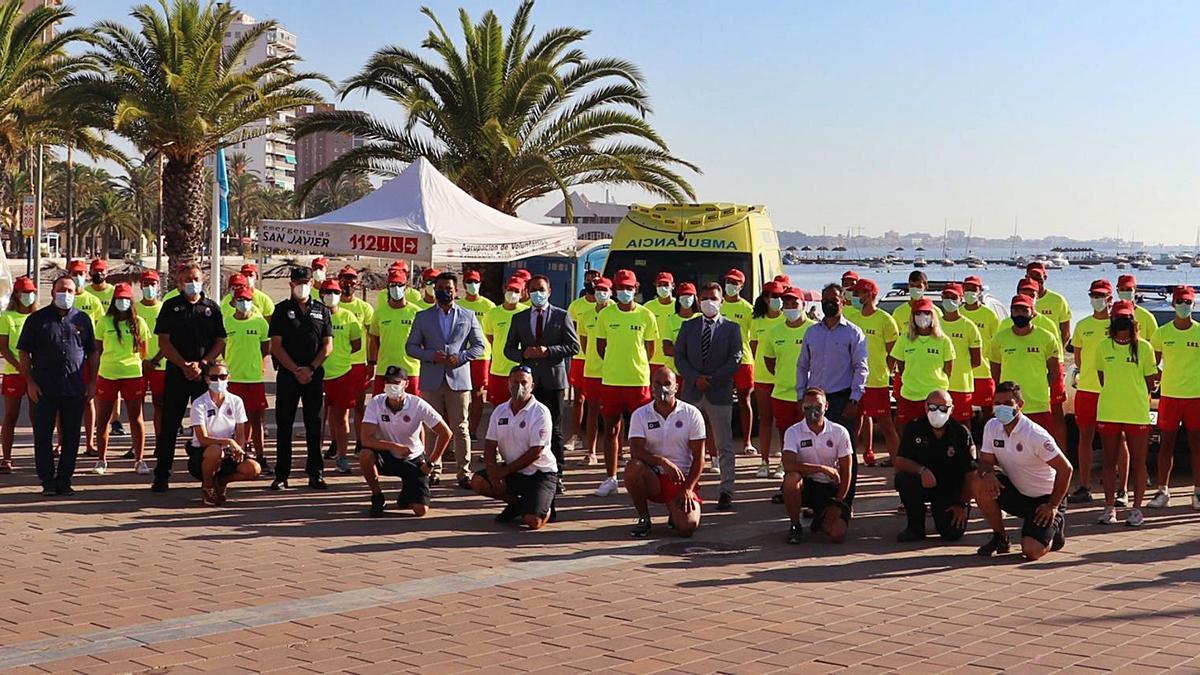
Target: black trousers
column 288, row 394
column 914, row 496
column 178, row 393
column 552, row 399
column 45, row 412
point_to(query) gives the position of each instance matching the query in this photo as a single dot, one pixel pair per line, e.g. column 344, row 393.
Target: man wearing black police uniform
column 191, row 334
column 934, row 466
column 301, row 335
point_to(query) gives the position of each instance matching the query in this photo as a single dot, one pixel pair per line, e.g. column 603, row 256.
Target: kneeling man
column 519, row 431
column 820, row 474
column 1021, row 471
column 935, row 466
column 392, row 441
column 666, row 449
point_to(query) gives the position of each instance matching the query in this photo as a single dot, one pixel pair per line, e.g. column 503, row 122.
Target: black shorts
column 1016, row 504
column 820, row 496
column 414, row 484
column 196, row 463
column 534, row 492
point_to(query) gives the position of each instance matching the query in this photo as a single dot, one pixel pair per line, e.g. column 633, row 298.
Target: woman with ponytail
column 121, row 338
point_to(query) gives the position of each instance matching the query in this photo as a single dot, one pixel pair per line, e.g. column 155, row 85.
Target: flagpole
column 214, row 275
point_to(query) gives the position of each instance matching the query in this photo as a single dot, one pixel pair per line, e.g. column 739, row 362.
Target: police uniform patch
column 950, row 451
column 1049, row 446
column 920, row 440
column 291, row 313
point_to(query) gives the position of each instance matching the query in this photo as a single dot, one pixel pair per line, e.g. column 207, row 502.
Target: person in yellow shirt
column 918, row 286
column 1128, row 373
column 780, row 345
column 1058, row 390
column 320, row 273
column 343, row 386
column 411, row 295
column 625, row 336
column 924, row 357
column 154, row 369
column 968, row 347
column 662, row 307
column 1127, row 290
column 1028, row 355
column 360, row 367
column 685, row 310
column 390, row 326
column 593, row 365
column 237, row 281
column 584, row 303
column 88, row 304
column 121, row 341
column 1048, row 303
column 851, row 308
column 1088, row 333
column 472, row 282
column 525, row 276
column 99, row 286
column 735, row 308
column 262, row 302
column 881, row 333
column 429, row 277
column 495, row 332
column 767, row 313
column 987, row 321
column 1177, row 347
column 20, row 305
column 246, row 345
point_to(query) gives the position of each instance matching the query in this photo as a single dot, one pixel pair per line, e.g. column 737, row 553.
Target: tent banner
column 341, row 239
column 503, row 251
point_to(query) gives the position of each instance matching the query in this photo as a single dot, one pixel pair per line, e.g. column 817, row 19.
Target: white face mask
column 27, row 299
column 395, row 292
column 950, row 305
column 1125, row 295
column 472, row 287
column 971, row 297
column 923, row 321
column 193, row 288
column 916, row 293
column 512, row 297
column 393, row 391
column 625, row 296
column 149, row 292
column 301, row 291
column 79, row 280
column 64, row 300
column 539, row 298
column 122, row 304
column 218, row 386
column 793, row 314
column 775, row 304
column 732, row 290
column 520, row 392
column 603, row 296
column 331, row 300
column 1099, row 304
column 318, row 275
column 710, row 308
column 243, row 306
column 663, row 292
column 250, row 280
column 686, row 301
column 937, row 418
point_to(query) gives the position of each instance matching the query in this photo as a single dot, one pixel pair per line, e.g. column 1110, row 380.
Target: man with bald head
column 934, row 467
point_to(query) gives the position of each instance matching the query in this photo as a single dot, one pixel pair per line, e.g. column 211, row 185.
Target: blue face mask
column 1005, row 413
column 539, row 298
column 856, row 302
column 443, row 297
column 624, row 297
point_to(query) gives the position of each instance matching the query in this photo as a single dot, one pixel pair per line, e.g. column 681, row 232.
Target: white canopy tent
column 418, row 215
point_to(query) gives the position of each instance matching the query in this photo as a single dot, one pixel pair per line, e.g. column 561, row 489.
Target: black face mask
column 831, row 307
column 589, row 288
column 1022, row 321
column 97, row 278
column 1122, row 323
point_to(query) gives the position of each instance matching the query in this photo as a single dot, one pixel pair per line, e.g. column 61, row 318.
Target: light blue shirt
column 834, row 359
column 446, row 320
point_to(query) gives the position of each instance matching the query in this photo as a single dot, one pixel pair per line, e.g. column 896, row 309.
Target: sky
column 1075, row 118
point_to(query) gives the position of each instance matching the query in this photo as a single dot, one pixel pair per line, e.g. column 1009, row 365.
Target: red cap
column 1027, row 284
column 243, row 293
column 98, row 265
column 953, row 289
column 472, row 275
column 236, row 279
column 923, row 305
column 1101, row 286
column 736, row 276
column 1036, row 274
column 867, row 286
column 1178, row 294
column 625, row 278
column 250, row 268
column 664, row 278
column 1021, row 301
column 24, row 285
column 783, row 279
column 523, row 274
column 1126, row 280
column 514, row 283
column 850, row 274
column 1036, row 265
column 774, row 287
column 123, row 291
column 1122, row 308
column 603, row 282
column 399, row 265
column 76, row 266
column 790, row 292
column 331, row 285
column 397, row 276
column 348, row 271
column 150, row 277
column 973, row 279
column 321, row 263
column 430, row 273
column 686, row 288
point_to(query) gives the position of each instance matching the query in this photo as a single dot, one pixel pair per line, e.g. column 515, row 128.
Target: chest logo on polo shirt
column 950, row 451
column 522, row 424
column 291, row 313
column 385, row 418
column 653, row 425
column 229, row 411
column 211, row 412
column 1049, row 446
column 829, row 443
column 503, row 421
column 997, row 443
column 920, row 440
column 806, row 443
column 678, row 424
column 1020, row 447
column 207, row 311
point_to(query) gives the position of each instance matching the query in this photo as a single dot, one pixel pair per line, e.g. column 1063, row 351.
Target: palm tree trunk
column 70, row 206
column 184, row 223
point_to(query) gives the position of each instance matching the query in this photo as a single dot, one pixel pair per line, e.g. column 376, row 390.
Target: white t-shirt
column 825, row 448
column 1022, row 456
column 402, row 426
column 219, row 422
column 515, row 433
column 669, row 437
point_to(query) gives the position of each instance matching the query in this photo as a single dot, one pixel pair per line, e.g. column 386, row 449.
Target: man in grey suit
column 543, row 337
column 708, row 352
column 446, row 338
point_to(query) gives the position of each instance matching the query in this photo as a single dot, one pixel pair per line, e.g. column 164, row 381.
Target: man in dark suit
column 543, row 337
column 708, row 352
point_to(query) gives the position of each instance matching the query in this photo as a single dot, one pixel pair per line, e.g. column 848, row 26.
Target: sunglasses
column 935, row 407
column 218, row 377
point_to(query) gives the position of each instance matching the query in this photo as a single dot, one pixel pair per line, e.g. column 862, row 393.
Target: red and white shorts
column 963, row 412
column 616, row 400
column 743, row 379
column 480, row 374
column 876, row 402
column 592, row 388
column 130, row 388
column 1086, row 403
column 1058, row 391
column 14, row 386
column 985, row 392
column 668, row 489
column 907, row 411
column 1117, row 428
column 575, row 375
column 253, row 395
column 497, row 389
column 345, row 391
column 156, row 382
column 787, row 414
column 1172, row 412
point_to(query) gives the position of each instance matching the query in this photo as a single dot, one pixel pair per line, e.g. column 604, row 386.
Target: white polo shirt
column 669, row 437
column 218, row 421
column 515, row 433
column 825, row 448
column 1022, row 455
column 402, row 426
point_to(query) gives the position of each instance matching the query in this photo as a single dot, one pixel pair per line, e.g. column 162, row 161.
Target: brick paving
column 117, row 579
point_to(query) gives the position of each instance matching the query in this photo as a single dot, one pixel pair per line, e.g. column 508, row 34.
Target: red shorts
column 1116, row 428
column 156, row 382
column 1058, row 392
column 414, row 385
column 1044, row 420
column 763, row 389
column 343, row 392
column 897, row 384
column 985, row 392
column 787, row 414
column 907, row 411
column 253, row 395
column 668, row 490
column 743, row 379
column 654, row 368
column 1085, row 408
column 497, row 389
column 1171, row 412
column 592, row 388
column 963, row 412
column 876, row 402
column 130, row 388
column 615, row 400
column 575, row 375
column 479, row 374
column 13, row 386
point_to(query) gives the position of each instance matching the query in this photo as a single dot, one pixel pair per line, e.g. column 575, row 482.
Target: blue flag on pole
column 223, row 186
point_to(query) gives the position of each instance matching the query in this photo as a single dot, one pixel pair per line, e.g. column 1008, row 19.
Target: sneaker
column 1060, row 534
column 608, row 487
column 907, row 535
column 998, row 544
column 317, row 483
column 869, row 458
column 764, row 471
column 343, row 464
column 713, row 467
column 725, row 502
column 6, row 466
column 331, row 452
column 210, row 497
column 116, row 429
column 1108, row 517
column 1121, row 500
column 101, row 468
column 642, row 528
column 1161, row 499
column 1081, row 495
column 1196, row 501
column 750, row 451
column 796, row 534
column 141, row 468
column 128, row 454
column 509, row 514
column 1135, row 518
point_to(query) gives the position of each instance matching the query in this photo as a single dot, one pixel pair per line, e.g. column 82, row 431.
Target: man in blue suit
column 446, row 338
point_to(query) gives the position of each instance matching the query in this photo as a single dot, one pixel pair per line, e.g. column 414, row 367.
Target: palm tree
column 509, row 119
column 139, row 186
column 331, row 193
column 172, row 86
column 109, row 215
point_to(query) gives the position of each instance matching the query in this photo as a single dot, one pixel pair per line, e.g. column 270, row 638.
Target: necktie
column 706, row 339
column 538, row 333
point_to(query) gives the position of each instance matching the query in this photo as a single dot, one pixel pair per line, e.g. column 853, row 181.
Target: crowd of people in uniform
column 967, row 406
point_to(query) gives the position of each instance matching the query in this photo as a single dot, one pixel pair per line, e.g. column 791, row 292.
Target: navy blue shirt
column 58, row 346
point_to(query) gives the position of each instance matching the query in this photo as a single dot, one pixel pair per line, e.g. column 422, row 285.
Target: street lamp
column 158, row 228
